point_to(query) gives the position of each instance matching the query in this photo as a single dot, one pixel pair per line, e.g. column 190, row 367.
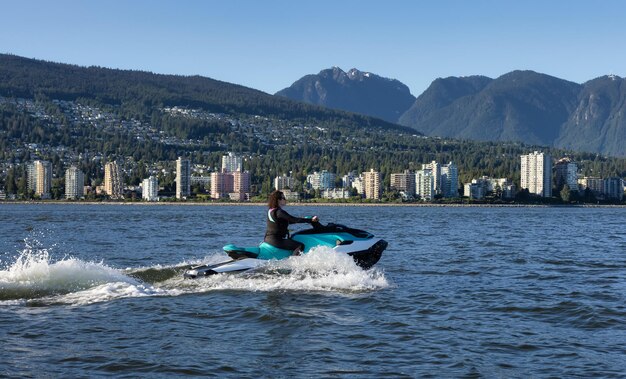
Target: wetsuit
column 277, row 233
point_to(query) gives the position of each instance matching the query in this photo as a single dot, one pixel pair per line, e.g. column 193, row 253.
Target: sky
column 269, row 44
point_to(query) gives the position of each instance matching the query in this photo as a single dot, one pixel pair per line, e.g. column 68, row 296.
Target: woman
column 278, row 221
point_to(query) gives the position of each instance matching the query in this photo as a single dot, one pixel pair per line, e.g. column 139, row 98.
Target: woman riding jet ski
column 278, row 221
column 361, row 245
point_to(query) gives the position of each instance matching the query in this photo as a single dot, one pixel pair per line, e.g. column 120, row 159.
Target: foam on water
column 319, row 270
column 35, row 278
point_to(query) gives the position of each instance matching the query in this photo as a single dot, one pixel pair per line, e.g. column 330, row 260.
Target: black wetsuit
column 277, row 233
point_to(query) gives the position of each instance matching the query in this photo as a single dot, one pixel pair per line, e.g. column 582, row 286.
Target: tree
column 589, row 196
column 565, row 194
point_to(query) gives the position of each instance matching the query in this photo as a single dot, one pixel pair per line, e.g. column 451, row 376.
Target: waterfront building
column 348, row 180
column 336, row 193
column 113, row 180
column 593, row 183
column 445, row 178
column 321, row 180
column 565, row 172
column 283, row 182
column 536, row 173
column 204, row 181
column 291, row 195
column 479, row 188
column 372, row 181
column 221, row 184
column 74, row 183
column 357, row 184
column 435, row 172
column 183, row 178
column 39, row 178
column 609, row 188
column 150, row 189
column 241, row 186
column 614, row 188
column 232, row 163
column 425, row 184
column 404, row 182
column 233, row 185
column 31, row 177
column 476, row 190
column 449, row 180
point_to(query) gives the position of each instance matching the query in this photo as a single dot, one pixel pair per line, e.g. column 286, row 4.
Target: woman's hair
column 274, row 198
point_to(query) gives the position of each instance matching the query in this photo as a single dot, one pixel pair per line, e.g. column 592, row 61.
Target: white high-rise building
column 232, row 163
column 113, row 180
column 74, row 183
column 183, row 178
column 536, row 173
column 282, row 182
column 425, row 184
column 445, row 178
column 435, row 172
column 321, row 180
column 150, row 189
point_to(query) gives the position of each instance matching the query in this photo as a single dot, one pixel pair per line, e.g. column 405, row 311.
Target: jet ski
column 362, row 246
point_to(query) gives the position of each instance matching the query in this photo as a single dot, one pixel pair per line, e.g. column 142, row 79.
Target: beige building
column 40, row 178
column 372, row 181
column 113, row 181
column 404, row 182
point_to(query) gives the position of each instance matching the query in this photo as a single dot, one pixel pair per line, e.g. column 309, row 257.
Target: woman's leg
column 287, row 244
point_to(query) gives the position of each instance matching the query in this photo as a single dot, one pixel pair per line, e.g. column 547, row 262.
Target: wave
column 319, row 270
column 35, row 279
column 34, row 275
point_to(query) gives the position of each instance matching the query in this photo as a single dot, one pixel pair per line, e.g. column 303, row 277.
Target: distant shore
column 325, row 204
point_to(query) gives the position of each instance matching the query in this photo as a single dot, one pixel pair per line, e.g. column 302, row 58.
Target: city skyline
column 434, row 180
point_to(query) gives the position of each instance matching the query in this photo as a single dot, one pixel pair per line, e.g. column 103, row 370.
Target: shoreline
column 296, row 204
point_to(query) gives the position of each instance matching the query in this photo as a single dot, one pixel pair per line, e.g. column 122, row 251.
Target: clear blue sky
column 268, row 44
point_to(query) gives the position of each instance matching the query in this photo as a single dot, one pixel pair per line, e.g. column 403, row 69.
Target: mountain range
column 521, row 106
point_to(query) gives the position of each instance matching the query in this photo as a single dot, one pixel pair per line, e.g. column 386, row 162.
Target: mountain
column 528, row 107
column 598, row 121
column 353, row 91
column 440, row 94
column 519, row 106
column 138, row 93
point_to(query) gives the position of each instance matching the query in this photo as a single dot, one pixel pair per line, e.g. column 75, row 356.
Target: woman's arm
column 294, row 220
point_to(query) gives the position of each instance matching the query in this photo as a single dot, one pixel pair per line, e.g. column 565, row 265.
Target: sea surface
column 468, row 292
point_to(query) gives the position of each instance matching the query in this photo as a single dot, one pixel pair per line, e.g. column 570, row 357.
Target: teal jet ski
column 362, row 246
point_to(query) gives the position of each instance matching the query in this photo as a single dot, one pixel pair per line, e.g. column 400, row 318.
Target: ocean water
column 97, row 290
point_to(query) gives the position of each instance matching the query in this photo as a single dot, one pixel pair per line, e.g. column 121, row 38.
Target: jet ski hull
column 360, row 245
